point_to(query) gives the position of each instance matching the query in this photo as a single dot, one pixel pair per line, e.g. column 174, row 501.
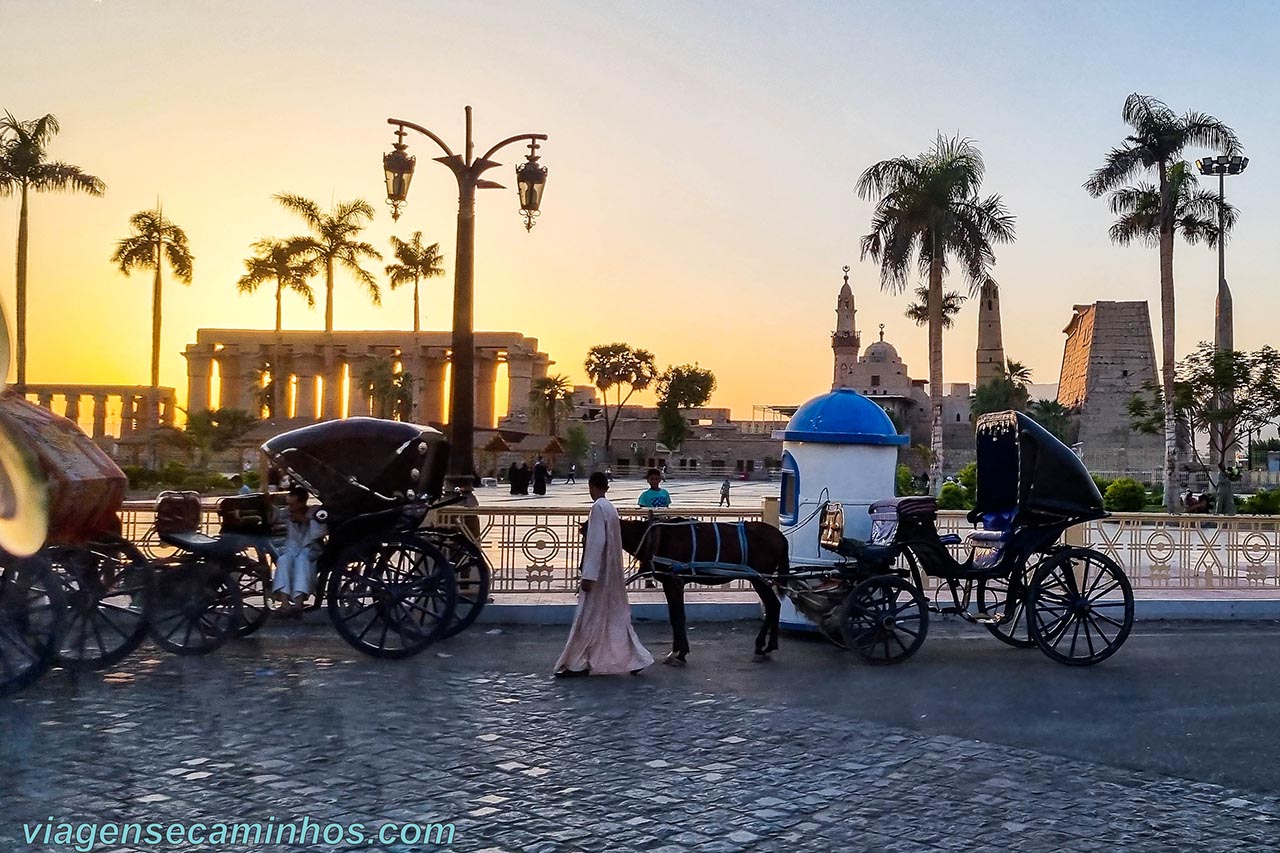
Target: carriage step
column 987, row 619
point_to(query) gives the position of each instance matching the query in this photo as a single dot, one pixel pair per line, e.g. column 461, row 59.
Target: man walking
column 724, row 492
column 602, row 641
column 571, row 479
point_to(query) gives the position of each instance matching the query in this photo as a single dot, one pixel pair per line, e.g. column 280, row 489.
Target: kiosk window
column 789, row 501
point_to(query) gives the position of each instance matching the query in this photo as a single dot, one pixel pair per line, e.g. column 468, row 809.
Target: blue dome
column 842, row 417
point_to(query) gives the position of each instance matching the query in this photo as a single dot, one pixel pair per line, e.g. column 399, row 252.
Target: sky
column 702, row 158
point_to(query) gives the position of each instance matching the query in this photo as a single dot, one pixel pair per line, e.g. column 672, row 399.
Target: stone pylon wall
column 1109, row 356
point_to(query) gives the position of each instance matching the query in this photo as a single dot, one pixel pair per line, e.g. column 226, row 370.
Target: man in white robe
column 296, row 562
column 602, row 641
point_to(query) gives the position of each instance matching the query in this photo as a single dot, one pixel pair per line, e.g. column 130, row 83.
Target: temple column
column 541, row 363
column 45, row 400
column 486, row 380
column 429, row 402
column 126, row 415
column 72, row 410
column 168, row 410
column 230, row 393
column 99, row 415
column 331, row 404
column 198, row 366
column 519, row 381
column 305, row 406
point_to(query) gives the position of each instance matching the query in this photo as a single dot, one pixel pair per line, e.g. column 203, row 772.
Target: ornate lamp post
column 531, row 178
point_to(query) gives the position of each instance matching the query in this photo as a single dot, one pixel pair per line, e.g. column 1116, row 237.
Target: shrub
column 905, row 482
column 1102, row 483
column 954, row 496
column 968, row 477
column 1125, row 495
column 140, row 477
column 252, row 479
column 1262, row 503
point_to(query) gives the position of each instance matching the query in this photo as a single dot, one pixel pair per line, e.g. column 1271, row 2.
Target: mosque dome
column 882, row 352
column 842, row 417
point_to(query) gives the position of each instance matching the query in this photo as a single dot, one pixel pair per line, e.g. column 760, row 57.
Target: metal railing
column 538, row 550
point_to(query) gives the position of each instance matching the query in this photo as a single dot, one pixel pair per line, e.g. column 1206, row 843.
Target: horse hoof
column 761, row 658
column 672, row 660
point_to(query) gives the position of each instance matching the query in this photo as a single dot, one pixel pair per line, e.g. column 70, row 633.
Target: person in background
column 571, row 478
column 540, row 473
column 241, row 487
column 724, row 492
column 602, row 641
column 296, row 563
column 525, row 477
column 513, row 477
column 655, row 497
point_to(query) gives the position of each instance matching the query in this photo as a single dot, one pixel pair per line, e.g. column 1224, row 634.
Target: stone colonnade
column 141, row 406
column 326, row 367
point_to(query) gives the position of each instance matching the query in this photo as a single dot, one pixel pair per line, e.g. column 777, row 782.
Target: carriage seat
column 987, row 546
column 205, row 546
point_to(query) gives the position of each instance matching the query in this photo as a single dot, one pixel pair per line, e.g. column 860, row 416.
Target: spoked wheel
column 32, row 615
column 193, row 605
column 152, row 546
column 253, row 581
column 1005, row 599
column 473, row 578
column 1080, row 607
column 392, row 596
column 884, row 619
column 106, row 588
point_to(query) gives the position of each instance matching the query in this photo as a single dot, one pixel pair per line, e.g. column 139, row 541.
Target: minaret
column 844, row 340
column 990, row 344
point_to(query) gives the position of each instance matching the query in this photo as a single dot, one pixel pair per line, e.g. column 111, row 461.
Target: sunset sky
column 702, row 160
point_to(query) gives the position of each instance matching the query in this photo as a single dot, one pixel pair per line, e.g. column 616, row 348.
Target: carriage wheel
column 391, row 596
column 253, row 580
column 193, row 605
column 106, row 587
column 473, row 578
column 1006, row 599
column 1080, row 607
column 32, row 614
column 884, row 619
column 152, row 546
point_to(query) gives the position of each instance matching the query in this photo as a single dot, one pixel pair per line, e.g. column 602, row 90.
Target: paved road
column 1170, row 745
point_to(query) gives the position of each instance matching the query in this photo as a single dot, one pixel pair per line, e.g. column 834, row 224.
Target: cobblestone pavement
column 293, row 726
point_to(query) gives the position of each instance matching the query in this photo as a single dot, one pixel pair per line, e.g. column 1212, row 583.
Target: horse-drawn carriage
column 1017, row 579
column 391, row 586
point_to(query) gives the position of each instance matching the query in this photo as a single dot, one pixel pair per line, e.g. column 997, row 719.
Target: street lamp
column 1223, row 332
column 398, row 167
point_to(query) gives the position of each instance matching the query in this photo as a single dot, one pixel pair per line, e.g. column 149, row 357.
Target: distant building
column 991, row 360
column 1108, row 357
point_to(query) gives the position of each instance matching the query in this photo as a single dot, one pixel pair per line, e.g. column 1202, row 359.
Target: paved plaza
column 692, row 493
column 969, row 746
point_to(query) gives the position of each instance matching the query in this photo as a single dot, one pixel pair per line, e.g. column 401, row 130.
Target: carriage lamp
column 398, row 167
column 531, row 178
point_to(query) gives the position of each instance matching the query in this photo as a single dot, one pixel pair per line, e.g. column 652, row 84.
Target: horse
column 677, row 551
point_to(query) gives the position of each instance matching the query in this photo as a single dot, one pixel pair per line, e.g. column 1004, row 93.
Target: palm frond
column 304, row 207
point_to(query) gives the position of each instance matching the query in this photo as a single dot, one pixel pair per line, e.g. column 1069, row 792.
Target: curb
column 1145, row 610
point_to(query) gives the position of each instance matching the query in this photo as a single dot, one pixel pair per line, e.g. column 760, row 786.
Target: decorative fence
column 538, row 550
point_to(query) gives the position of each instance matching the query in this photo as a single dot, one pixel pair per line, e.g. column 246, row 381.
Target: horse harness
column 693, row 565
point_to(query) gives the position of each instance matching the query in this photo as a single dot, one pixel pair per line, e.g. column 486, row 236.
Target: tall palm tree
column 24, row 169
column 918, row 311
column 1195, row 210
column 550, row 398
column 285, row 262
column 154, row 240
column 333, row 242
column 928, row 211
column 416, row 263
column 1017, row 373
column 1157, row 141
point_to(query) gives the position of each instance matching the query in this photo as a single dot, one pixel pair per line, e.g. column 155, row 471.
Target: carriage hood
column 1028, row 476
column 360, row 465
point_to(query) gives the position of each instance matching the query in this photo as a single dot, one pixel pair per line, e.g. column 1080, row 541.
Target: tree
column 264, row 383
column 24, row 169
column 213, row 430
column 1220, row 395
column 1054, row 417
column 416, row 263
column 154, row 241
column 285, row 262
column 999, row 395
column 1156, row 142
column 683, row 386
column 1017, row 373
column 551, row 397
column 618, row 367
column 918, row 311
column 577, row 445
column 928, row 212
column 391, row 393
column 334, row 242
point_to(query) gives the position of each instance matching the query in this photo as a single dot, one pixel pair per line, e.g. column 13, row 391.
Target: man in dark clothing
column 539, row 477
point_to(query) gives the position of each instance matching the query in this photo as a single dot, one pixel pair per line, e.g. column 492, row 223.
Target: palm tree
column 918, row 311
column 286, row 263
column 416, row 263
column 333, row 241
column 154, row 240
column 390, row 392
column 1195, row 210
column 927, row 210
column 1158, row 139
column 24, row 168
column 550, row 397
column 1017, row 373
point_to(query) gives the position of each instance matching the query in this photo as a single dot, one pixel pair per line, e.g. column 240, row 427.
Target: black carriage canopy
column 1027, row 476
column 361, row 465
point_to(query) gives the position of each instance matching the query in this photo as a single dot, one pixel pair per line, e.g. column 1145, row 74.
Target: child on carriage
column 296, row 563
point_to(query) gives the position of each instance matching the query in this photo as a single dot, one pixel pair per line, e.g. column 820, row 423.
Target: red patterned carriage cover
column 86, row 488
